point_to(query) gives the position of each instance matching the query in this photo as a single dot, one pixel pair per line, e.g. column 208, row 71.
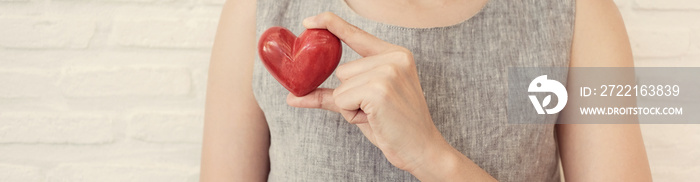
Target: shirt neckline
column 346, row 8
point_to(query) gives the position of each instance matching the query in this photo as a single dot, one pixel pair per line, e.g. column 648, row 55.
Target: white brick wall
column 60, row 128
column 174, row 126
column 12, row 173
column 121, row 81
column 106, row 90
column 668, row 4
column 120, row 173
column 42, row 32
column 653, row 42
column 164, row 33
column 114, row 89
column 26, row 83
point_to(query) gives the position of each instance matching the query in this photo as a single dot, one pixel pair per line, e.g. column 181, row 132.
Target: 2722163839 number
column 631, row 90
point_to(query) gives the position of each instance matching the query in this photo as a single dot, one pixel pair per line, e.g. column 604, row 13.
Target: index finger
column 362, row 42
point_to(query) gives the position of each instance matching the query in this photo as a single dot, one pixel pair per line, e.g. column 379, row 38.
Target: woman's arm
column 236, row 136
column 600, row 152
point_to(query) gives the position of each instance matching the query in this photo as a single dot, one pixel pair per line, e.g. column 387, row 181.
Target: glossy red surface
column 301, row 63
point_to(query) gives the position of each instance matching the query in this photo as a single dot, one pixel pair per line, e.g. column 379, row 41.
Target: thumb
column 321, row 98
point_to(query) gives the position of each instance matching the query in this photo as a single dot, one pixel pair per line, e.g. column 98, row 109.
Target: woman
column 429, row 79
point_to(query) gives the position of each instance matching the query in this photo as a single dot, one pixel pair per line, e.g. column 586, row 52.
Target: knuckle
column 389, row 70
column 403, row 56
column 403, row 49
column 382, row 89
column 341, row 72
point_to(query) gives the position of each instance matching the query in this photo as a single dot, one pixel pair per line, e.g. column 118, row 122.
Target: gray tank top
column 462, row 69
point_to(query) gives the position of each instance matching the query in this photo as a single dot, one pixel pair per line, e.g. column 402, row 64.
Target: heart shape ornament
column 301, row 63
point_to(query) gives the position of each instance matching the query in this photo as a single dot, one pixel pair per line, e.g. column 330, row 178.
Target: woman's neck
column 417, row 13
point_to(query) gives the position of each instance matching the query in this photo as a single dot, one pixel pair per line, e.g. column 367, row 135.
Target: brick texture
column 20, row 173
column 117, row 173
column 33, row 32
column 164, row 33
column 120, row 81
column 668, row 4
column 167, row 126
column 55, row 128
column 23, row 83
column 659, row 42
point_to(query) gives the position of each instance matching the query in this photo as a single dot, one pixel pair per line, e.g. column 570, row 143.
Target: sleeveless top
column 462, row 70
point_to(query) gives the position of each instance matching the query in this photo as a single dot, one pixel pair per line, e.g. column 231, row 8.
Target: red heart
column 299, row 64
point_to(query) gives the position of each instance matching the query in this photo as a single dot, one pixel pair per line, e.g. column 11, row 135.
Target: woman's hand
column 382, row 95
